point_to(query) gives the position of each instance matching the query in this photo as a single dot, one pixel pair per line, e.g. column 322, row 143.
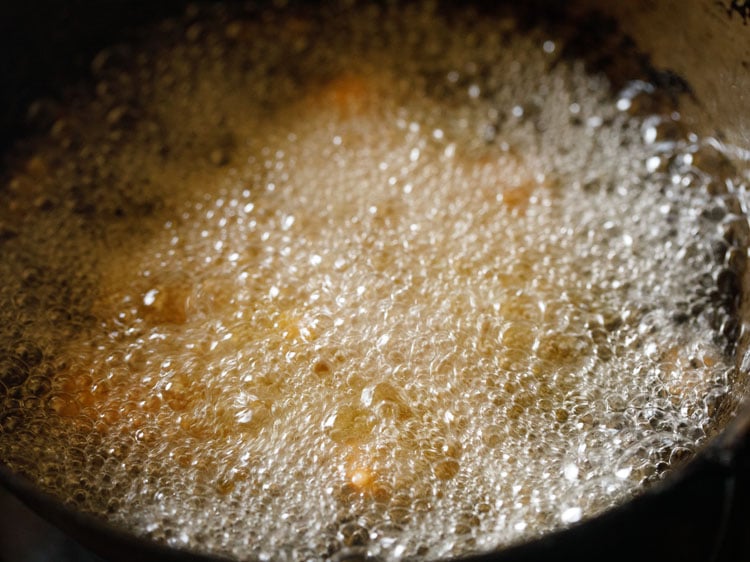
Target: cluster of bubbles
column 361, row 281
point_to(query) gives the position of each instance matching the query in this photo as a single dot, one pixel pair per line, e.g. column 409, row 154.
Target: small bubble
column 653, row 164
column 623, row 473
column 322, row 367
column 571, row 515
column 570, row 472
column 446, row 469
column 623, row 104
column 353, row 535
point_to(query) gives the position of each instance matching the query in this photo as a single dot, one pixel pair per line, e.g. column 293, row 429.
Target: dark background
column 24, row 537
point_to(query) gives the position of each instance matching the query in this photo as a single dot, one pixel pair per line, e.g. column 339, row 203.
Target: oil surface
column 378, row 281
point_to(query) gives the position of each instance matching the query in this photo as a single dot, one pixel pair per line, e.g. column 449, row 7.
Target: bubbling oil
column 366, row 281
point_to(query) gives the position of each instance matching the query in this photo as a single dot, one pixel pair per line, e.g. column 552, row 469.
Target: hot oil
column 387, row 281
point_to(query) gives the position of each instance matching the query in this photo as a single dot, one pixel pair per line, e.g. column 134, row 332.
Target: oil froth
column 421, row 288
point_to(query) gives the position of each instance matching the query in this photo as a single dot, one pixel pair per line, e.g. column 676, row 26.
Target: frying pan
column 699, row 48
